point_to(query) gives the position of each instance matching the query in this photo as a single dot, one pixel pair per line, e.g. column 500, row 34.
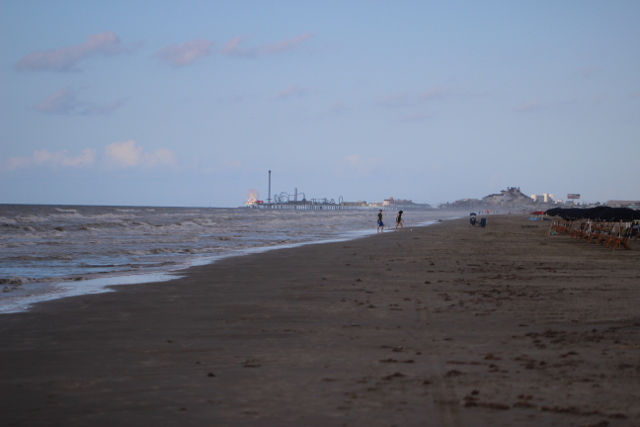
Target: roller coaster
column 286, row 198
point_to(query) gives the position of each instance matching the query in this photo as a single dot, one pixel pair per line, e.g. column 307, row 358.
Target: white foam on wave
column 169, row 239
column 5, row 220
column 31, row 218
column 29, row 294
column 33, row 293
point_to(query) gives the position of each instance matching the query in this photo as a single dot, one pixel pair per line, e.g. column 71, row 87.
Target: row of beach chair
column 612, row 235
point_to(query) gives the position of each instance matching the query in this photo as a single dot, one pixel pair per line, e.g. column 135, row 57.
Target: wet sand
column 445, row 325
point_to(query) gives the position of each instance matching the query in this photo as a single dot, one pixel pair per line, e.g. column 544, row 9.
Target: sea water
column 49, row 252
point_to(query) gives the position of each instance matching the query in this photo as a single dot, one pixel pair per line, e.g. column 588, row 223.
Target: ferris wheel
column 253, row 196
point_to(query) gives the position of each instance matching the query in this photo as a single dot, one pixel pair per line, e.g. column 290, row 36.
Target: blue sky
column 191, row 103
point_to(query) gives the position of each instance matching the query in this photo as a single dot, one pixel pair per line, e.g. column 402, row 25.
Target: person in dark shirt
column 399, row 221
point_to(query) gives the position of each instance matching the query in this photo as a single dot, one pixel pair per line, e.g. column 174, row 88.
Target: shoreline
column 37, row 292
column 443, row 325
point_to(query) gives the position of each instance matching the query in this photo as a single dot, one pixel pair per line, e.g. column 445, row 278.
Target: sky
column 192, row 103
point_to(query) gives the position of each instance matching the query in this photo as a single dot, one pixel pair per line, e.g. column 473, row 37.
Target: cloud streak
column 58, row 159
column 530, row 106
column 185, row 53
column 64, row 59
column 293, row 90
column 287, row 44
column 189, row 52
column 435, row 93
column 119, row 155
column 234, row 46
column 66, row 102
column 337, row 109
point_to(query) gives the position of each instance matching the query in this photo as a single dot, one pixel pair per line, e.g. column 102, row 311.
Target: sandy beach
column 446, row 325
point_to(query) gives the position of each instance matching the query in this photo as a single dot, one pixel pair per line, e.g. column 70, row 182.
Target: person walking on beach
column 399, row 221
column 380, row 223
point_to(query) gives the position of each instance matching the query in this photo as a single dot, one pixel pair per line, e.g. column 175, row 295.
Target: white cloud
column 357, row 166
column 185, row 53
column 234, row 46
column 58, row 159
column 105, row 43
column 129, row 154
column 124, row 154
column 119, row 154
column 66, row 102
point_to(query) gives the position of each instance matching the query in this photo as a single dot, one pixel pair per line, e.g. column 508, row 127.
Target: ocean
column 49, row 252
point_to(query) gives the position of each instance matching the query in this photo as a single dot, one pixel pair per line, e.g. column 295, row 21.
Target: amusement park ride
column 296, row 201
column 253, row 197
column 283, row 200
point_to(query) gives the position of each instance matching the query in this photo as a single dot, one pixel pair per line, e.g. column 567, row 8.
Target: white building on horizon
column 543, row 198
column 510, row 196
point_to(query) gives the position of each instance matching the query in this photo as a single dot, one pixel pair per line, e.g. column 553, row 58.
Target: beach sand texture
column 445, row 325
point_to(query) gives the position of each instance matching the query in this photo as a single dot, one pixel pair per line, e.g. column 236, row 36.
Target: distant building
column 461, row 204
column 633, row 204
column 392, row 202
column 542, row 198
column 400, row 204
column 353, row 203
column 510, row 196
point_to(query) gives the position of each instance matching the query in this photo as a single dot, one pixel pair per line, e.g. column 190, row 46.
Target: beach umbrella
column 553, row 211
column 571, row 213
column 618, row 214
column 594, row 213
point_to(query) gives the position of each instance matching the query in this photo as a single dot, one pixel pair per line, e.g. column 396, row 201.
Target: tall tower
column 269, row 195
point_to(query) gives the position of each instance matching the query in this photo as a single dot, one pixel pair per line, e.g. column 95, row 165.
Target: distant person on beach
column 380, row 223
column 399, row 221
